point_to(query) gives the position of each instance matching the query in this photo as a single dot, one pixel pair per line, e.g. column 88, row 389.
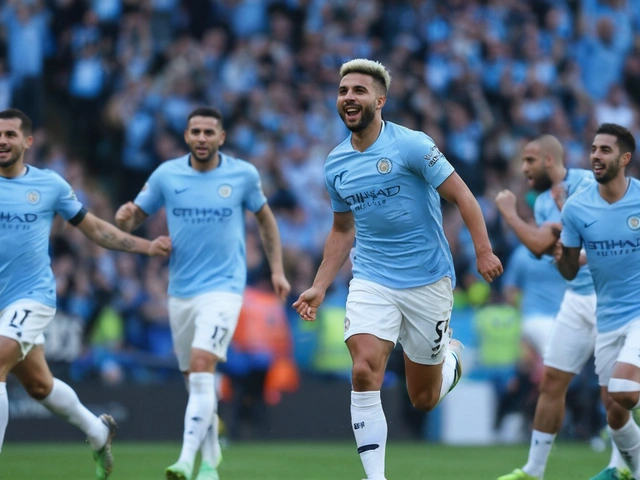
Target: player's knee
column 425, row 401
column 628, row 400
column 38, row 390
column 553, row 385
column 362, row 375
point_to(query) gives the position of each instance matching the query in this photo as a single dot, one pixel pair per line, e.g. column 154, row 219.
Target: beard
column 367, row 114
column 542, row 183
column 11, row 161
column 609, row 173
column 205, row 159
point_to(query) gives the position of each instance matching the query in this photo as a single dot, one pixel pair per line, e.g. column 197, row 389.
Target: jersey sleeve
column 423, row 157
column 254, row 196
column 67, row 204
column 151, row 199
column 570, row 235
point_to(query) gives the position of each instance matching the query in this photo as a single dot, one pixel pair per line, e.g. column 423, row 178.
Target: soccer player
column 30, row 199
column 205, row 194
column 543, row 165
column 385, row 183
column 604, row 219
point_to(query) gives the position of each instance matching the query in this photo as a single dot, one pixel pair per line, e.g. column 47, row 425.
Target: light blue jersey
column 205, row 215
column 546, row 210
column 391, row 190
column 610, row 234
column 538, row 279
column 27, row 206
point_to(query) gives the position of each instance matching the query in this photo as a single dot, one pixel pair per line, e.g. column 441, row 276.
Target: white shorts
column 206, row 322
column 417, row 317
column 573, row 336
column 621, row 345
column 536, row 330
column 25, row 322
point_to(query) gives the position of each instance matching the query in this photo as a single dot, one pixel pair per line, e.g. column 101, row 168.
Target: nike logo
column 180, row 191
column 587, row 225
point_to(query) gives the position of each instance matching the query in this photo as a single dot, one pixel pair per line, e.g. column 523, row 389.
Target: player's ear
column 28, row 141
column 380, row 101
column 223, row 137
column 625, row 159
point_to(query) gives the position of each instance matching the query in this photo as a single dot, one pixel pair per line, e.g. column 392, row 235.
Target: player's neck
column 614, row 190
column 360, row 141
column 18, row 169
column 205, row 166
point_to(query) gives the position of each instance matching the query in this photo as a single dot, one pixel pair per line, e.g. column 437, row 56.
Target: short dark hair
column 26, row 124
column 206, row 112
column 624, row 138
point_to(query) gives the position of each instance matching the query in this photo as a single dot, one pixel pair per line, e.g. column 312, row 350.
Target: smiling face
column 534, row 167
column 13, row 142
column 204, row 135
column 606, row 159
column 359, row 98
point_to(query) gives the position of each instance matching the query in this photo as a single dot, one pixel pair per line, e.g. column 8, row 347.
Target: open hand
column 308, row 303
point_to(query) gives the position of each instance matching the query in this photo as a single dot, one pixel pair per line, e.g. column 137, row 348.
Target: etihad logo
column 15, row 221
column 371, row 198
column 604, row 248
column 9, row 217
column 203, row 215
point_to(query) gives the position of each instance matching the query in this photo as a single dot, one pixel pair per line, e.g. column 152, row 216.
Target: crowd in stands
column 109, row 84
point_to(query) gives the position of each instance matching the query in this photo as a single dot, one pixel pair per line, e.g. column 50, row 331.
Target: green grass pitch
column 299, row 461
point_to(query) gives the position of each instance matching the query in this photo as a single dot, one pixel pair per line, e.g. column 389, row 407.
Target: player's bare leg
column 429, row 384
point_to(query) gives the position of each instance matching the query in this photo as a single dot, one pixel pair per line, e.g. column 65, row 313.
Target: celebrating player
column 604, row 219
column 30, row 199
column 385, row 183
column 206, row 194
column 543, row 165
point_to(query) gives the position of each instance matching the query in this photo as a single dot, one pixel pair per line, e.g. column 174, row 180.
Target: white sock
column 627, row 439
column 197, row 418
column 539, row 450
column 63, row 401
column 370, row 429
column 448, row 373
column 4, row 411
column 616, row 460
column 210, row 448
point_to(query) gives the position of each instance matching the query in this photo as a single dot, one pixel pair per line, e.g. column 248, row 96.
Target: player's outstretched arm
column 537, row 239
column 270, row 236
column 455, row 191
column 109, row 236
column 336, row 251
column 129, row 217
